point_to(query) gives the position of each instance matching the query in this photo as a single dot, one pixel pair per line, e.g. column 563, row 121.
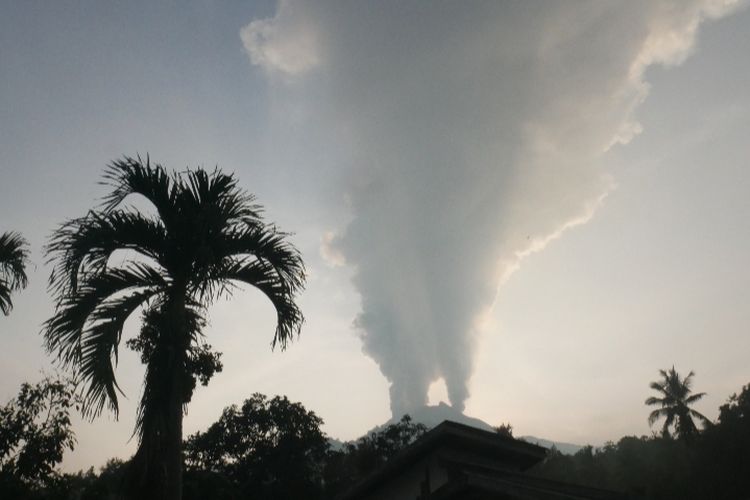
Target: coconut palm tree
column 14, row 255
column 675, row 402
column 206, row 237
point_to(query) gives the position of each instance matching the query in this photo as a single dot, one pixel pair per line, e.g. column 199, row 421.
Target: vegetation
column 242, row 456
column 505, row 430
column 266, row 448
column 14, row 255
column 272, row 449
column 35, row 430
column 356, row 460
column 714, row 463
column 205, row 236
column 675, row 402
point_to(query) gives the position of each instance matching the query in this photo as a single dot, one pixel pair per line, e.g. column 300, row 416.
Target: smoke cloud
column 475, row 133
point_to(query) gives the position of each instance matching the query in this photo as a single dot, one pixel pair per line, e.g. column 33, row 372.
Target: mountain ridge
column 432, row 415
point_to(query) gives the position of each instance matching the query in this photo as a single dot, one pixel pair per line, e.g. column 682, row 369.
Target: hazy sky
column 523, row 208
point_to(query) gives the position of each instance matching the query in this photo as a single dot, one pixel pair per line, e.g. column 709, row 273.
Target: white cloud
column 480, row 130
column 331, row 254
column 285, row 44
column 672, row 33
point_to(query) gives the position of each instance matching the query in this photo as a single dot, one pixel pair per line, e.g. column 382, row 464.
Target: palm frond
column 6, row 304
column 219, row 191
column 134, row 176
column 698, row 415
column 99, row 351
column 263, row 276
column 84, row 245
column 655, row 401
column 656, row 415
column 694, row 397
column 265, row 243
column 64, row 332
column 658, row 387
column 14, row 255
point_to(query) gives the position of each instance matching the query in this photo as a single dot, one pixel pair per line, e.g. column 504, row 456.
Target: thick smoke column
column 476, row 133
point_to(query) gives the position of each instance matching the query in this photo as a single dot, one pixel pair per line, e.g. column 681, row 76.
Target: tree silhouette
column 14, row 255
column 206, row 237
column 356, row 460
column 270, row 448
column 35, row 431
column 675, row 402
column 505, row 430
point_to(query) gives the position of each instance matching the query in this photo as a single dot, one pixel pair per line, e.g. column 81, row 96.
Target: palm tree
column 675, row 404
column 14, row 255
column 206, row 237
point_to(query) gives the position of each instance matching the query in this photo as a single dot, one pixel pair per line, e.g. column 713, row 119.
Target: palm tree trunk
column 156, row 469
column 157, row 466
column 178, row 344
column 173, row 431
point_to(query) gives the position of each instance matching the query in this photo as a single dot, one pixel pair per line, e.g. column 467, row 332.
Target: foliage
column 35, row 431
column 387, row 442
column 272, row 448
column 230, row 459
column 737, row 409
column 206, row 236
column 107, row 485
column 675, row 402
column 14, row 255
column 357, row 460
column 202, row 484
column 712, row 464
column 505, row 430
column 201, row 362
column 725, row 447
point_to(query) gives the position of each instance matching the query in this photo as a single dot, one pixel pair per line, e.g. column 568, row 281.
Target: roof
column 506, row 484
column 455, row 436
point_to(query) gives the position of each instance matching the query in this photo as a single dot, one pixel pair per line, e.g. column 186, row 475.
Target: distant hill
column 433, row 415
column 564, row 448
column 336, row 444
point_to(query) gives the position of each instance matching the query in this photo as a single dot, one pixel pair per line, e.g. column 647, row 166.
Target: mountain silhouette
column 432, row 415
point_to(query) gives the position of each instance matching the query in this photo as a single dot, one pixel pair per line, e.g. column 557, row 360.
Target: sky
column 523, row 209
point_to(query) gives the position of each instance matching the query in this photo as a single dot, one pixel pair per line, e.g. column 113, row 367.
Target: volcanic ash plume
column 476, row 133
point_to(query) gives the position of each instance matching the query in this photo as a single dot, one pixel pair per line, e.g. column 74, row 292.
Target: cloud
column 672, row 33
column 470, row 135
column 331, row 254
column 284, row 44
